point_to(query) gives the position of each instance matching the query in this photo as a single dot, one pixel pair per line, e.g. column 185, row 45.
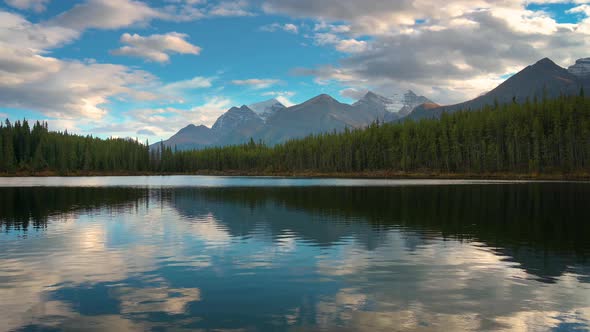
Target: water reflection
column 474, row 257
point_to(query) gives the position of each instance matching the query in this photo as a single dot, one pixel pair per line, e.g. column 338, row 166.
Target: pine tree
column 39, row 162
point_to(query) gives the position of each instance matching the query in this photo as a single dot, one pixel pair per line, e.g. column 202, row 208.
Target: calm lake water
column 266, row 254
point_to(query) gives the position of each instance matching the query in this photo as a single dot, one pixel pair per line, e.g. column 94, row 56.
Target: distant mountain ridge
column 581, row 69
column 191, row 137
column 267, row 108
column 542, row 79
column 272, row 122
column 319, row 114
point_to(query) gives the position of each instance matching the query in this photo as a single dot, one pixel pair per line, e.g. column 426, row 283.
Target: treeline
column 551, row 136
column 539, row 136
column 36, row 149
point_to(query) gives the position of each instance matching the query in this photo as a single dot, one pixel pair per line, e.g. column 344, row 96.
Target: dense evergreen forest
column 36, row 149
column 538, row 136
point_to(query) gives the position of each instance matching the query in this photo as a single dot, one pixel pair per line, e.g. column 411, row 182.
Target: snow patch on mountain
column 389, row 104
column 234, row 118
column 401, row 104
column 266, row 108
column 581, row 69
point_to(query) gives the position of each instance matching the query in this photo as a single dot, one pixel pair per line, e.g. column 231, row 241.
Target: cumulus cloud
column 349, row 45
column 230, row 8
column 188, row 10
column 145, row 132
column 198, row 82
column 78, row 92
column 69, row 89
column 175, row 92
column 257, row 83
column 18, row 32
column 35, row 5
column 584, row 10
column 114, row 14
column 31, row 79
column 161, row 123
column 451, row 52
column 156, row 47
column 288, row 27
column 106, row 14
column 374, row 17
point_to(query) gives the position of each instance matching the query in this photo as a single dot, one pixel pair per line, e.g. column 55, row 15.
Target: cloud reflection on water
column 196, row 258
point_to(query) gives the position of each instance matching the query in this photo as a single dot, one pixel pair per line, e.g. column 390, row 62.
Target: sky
column 145, row 69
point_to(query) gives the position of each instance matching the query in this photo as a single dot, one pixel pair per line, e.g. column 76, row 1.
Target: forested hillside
column 548, row 136
column 36, row 149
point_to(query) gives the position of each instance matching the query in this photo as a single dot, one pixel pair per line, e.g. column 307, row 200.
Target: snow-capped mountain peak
column 402, row 103
column 235, row 117
column 375, row 99
column 266, row 108
column 581, row 69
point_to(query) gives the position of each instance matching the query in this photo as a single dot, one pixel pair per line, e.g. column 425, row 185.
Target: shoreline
column 579, row 176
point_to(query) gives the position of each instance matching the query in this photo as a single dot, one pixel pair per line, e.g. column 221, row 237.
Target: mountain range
column 272, row 122
column 542, row 79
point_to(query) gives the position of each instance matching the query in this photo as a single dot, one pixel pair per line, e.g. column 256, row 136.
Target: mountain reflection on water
column 472, row 257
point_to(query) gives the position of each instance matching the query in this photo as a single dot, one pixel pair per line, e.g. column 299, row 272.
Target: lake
column 274, row 254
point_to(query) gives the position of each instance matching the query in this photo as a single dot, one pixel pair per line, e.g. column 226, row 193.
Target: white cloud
column 584, row 26
column 175, row 92
column 107, row 14
column 291, row 28
column 35, row 5
column 375, row 17
column 17, row 32
column 69, row 89
column 257, row 83
column 188, row 10
column 78, row 92
column 156, row 47
column 328, row 35
column 343, row 45
column 581, row 9
column 230, row 8
column 454, row 52
column 156, row 124
column 284, row 97
column 114, row 14
column 351, row 46
column 333, row 28
column 288, row 27
column 30, row 79
column 207, row 113
column 198, row 82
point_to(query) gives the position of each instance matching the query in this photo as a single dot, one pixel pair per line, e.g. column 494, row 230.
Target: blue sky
column 148, row 68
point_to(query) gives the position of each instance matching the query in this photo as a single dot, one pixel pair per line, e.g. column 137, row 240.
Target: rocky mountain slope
column 272, row 122
column 265, row 109
column 191, row 137
column 542, row 79
column 581, row 69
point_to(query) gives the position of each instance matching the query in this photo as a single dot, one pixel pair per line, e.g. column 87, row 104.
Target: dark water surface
column 247, row 254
